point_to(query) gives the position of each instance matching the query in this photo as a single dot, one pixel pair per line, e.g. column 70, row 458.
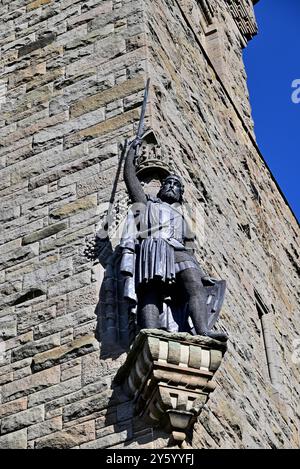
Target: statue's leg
column 149, row 305
column 193, row 287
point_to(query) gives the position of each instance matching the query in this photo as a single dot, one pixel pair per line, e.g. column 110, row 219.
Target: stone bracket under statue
column 169, row 377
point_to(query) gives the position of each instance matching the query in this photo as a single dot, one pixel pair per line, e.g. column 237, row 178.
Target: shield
column 214, row 302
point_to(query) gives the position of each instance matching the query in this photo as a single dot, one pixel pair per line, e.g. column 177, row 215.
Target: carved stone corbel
column 169, row 377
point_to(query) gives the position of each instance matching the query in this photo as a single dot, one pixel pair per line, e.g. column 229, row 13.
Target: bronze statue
column 158, row 261
column 152, row 279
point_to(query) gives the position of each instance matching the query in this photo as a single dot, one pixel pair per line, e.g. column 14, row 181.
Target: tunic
column 153, row 244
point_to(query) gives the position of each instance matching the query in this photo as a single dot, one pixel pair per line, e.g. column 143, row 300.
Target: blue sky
column 272, row 62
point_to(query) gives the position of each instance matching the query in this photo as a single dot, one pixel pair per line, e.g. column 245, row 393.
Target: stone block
column 109, row 440
column 38, row 163
column 63, row 322
column 16, row 256
column 71, row 236
column 36, row 127
column 92, row 368
column 88, row 406
column 15, row 440
column 70, row 350
column 74, row 207
column 84, row 393
column 44, row 233
column 29, row 318
column 89, row 168
column 54, row 392
column 107, row 96
column 11, row 246
column 70, row 284
column 90, row 14
column 20, row 154
column 13, row 407
column 36, row 4
column 35, row 347
column 105, row 49
column 82, row 122
column 20, row 231
column 7, row 377
column 43, row 41
column 86, row 296
column 103, row 128
column 16, row 342
column 72, row 35
column 22, row 419
column 22, row 373
column 31, row 384
column 9, row 214
column 45, row 428
column 69, row 438
column 42, row 80
column 70, row 373
column 46, row 199
column 8, row 327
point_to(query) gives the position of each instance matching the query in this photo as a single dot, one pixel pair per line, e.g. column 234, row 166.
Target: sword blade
column 143, row 111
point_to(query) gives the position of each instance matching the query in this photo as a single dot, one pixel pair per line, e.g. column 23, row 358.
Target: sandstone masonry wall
column 72, row 75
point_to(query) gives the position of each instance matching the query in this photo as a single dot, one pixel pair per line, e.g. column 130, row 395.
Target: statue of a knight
column 162, row 275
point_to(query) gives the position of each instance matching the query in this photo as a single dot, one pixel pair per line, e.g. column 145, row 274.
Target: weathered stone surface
column 29, row 318
column 71, row 372
column 84, row 393
column 74, row 207
column 66, row 352
column 15, row 440
column 92, row 368
column 44, row 233
column 110, row 440
column 44, row 428
column 13, row 407
column 63, row 322
column 54, row 392
column 107, row 96
column 40, row 43
column 33, row 348
column 36, row 4
column 82, row 122
column 103, row 128
column 49, row 272
column 69, row 438
column 31, row 383
column 87, row 406
column 22, row 419
column 8, row 327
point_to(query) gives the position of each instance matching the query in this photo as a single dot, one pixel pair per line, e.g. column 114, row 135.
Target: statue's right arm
column 134, row 187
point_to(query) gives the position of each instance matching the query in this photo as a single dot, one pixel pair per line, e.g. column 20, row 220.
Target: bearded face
column 171, row 190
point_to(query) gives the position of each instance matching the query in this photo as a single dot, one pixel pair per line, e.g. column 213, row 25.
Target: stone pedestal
column 169, row 376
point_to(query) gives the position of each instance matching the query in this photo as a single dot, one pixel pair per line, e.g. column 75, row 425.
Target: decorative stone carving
column 169, row 377
column 242, row 13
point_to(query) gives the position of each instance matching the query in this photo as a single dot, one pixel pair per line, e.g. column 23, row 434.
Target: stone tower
column 71, row 85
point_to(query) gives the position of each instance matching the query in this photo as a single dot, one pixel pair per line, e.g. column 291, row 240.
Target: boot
column 214, row 335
